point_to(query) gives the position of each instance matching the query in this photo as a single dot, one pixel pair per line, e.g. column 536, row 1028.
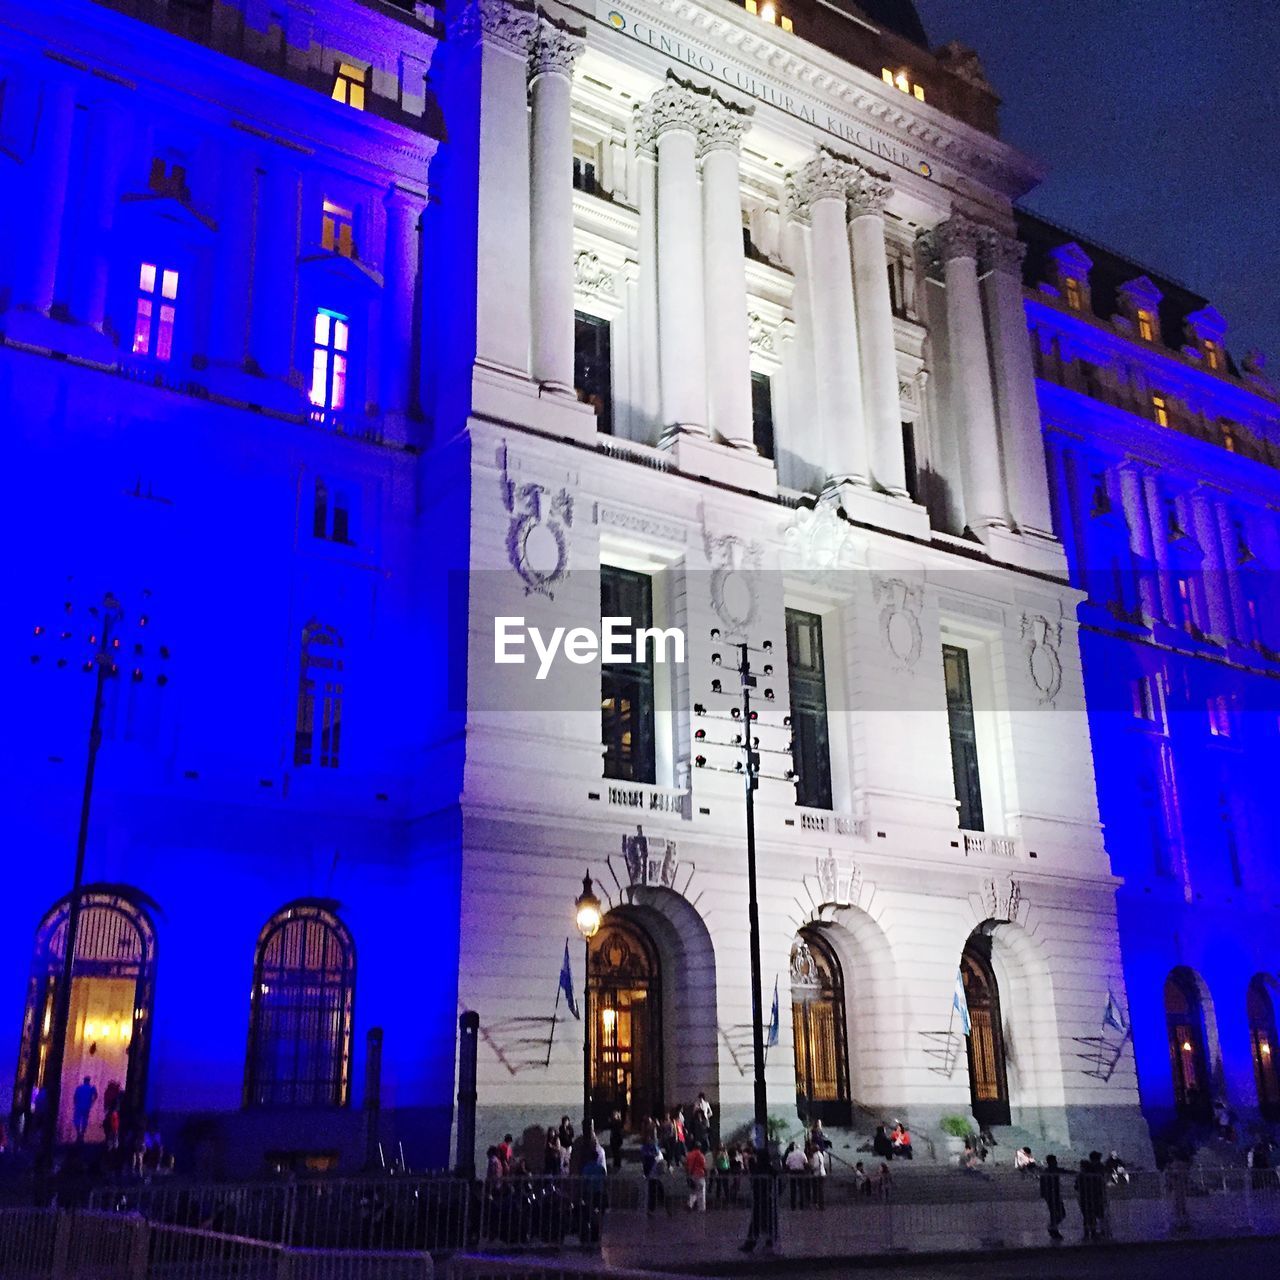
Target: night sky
column 1159, row 122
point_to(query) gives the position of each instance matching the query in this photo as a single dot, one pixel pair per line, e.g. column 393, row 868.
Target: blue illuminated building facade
column 1162, row 451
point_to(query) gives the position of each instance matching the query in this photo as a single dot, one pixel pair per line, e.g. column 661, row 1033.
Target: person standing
column 700, row 1124
column 551, row 1155
column 617, row 1136
column 565, row 1133
column 1091, row 1195
column 594, row 1176
column 764, row 1201
column 81, row 1105
column 695, row 1168
column 818, row 1174
column 1051, row 1194
column 796, row 1164
column 652, row 1162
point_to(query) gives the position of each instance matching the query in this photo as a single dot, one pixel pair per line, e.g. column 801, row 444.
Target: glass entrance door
column 988, row 1076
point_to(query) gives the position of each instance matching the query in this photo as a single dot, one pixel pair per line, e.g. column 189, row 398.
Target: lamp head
column 588, row 910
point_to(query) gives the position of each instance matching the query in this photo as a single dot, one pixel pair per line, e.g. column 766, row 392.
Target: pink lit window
column 153, row 317
column 329, row 361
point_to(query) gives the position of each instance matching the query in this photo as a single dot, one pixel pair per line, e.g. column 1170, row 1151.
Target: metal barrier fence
column 53, row 1244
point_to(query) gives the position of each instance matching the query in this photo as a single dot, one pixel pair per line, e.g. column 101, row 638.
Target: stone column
column 36, row 267
column 670, row 120
column 399, row 277
column 1218, row 622
column 877, row 349
column 275, row 290
column 1169, row 607
column 1013, row 369
column 1138, row 520
column 820, row 189
column 973, row 404
column 551, row 203
column 492, row 38
column 105, row 155
column 233, row 279
column 728, row 345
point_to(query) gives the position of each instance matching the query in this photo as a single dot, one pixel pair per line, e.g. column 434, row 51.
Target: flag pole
column 552, row 1038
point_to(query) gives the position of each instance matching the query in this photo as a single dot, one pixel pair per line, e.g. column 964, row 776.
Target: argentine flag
column 960, row 1004
column 566, row 983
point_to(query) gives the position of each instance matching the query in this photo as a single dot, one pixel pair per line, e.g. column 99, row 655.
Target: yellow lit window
column 786, row 24
column 768, row 10
column 1075, row 295
column 348, row 85
column 1160, row 406
column 329, row 361
column 1146, row 325
column 153, row 316
column 1212, row 354
column 1228, row 436
column 901, row 79
column 885, row 74
column 337, row 230
column 918, row 90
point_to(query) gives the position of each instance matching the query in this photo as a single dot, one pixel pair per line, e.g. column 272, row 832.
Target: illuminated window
column 1220, row 716
column 902, row 80
column 1212, row 354
column 768, row 11
column 1146, row 325
column 1074, row 294
column 300, row 1021
column 337, row 230
column 329, row 361
column 1160, row 407
column 1228, row 436
column 349, row 84
column 154, row 312
column 318, row 733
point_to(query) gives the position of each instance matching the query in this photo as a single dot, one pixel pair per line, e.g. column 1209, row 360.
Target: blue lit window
column 317, row 738
column 329, row 357
column 300, row 1024
column 155, row 311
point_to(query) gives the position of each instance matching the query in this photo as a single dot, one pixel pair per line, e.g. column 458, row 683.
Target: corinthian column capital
column 554, row 51
column 501, row 22
column 722, row 126
column 673, row 108
column 1000, row 252
column 825, row 177
column 868, row 195
column 959, row 237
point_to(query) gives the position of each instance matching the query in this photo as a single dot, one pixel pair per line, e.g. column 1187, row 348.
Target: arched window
column 300, row 1026
column 820, row 1031
column 109, row 1027
column 988, row 1074
column 1262, row 1037
column 317, row 739
column 1184, row 1017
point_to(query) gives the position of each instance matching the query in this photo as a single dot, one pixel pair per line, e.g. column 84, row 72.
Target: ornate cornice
column 722, row 126
column 1000, row 252
column 825, row 177
column 868, row 195
column 958, row 237
column 671, row 108
column 554, row 51
column 501, row 22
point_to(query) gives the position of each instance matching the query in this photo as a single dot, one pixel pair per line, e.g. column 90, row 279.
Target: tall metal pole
column 760, row 1135
column 52, row 1098
column 586, row 1036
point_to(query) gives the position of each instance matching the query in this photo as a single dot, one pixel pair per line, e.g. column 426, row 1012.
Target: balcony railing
column 987, row 844
column 645, row 797
column 829, row 823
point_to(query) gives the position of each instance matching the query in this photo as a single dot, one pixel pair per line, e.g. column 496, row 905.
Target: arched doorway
column 108, row 1031
column 1184, row 1018
column 820, row 1031
column 1262, row 1038
column 624, row 1013
column 988, row 1070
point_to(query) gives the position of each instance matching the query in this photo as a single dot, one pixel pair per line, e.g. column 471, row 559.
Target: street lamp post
column 106, row 661
column 587, row 909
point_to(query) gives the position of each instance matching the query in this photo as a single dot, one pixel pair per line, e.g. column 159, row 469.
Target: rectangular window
column 626, row 689
column 329, row 357
column 964, row 738
column 898, row 287
column 1146, row 701
column 593, row 367
column 1074, row 294
column 762, row 413
column 1228, row 432
column 349, row 85
column 337, row 230
column 1160, row 407
column 1146, row 325
column 586, row 168
column 331, row 517
column 1220, row 716
column 910, row 465
column 154, row 313
column 810, row 740
column 1212, row 354
column 1186, row 603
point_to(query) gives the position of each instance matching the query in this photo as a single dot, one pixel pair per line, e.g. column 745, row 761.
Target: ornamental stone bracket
column 836, row 884
column 1042, row 639
column 901, row 603
column 735, row 590
column 650, row 862
column 766, row 338
column 537, row 532
column 815, row 539
column 1001, row 901
column 590, row 275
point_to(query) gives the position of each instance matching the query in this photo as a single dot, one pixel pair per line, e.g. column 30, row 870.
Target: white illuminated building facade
column 748, row 357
